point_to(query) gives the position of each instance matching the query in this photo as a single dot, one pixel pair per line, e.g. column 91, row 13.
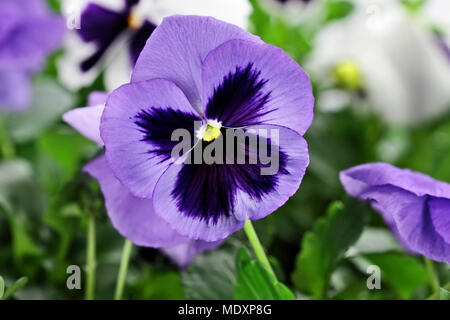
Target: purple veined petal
column 183, row 254
column 15, row 90
column 411, row 203
column 137, row 127
column 209, row 202
column 247, row 83
column 440, row 217
column 134, row 218
column 178, row 46
column 380, row 174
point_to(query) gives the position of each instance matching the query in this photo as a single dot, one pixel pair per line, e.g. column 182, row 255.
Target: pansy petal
column 248, row 83
column 87, row 120
column 380, row 174
column 137, row 127
column 178, row 46
column 134, row 218
column 412, row 204
column 440, row 216
column 184, row 253
column 209, row 202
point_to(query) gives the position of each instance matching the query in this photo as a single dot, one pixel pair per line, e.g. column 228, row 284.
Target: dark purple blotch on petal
column 239, row 100
column 208, row 191
column 139, row 39
column 158, row 124
column 102, row 26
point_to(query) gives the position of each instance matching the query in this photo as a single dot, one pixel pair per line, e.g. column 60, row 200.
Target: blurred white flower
column 111, row 33
column 379, row 50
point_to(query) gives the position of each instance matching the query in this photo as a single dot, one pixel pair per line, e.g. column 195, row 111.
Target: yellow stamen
column 347, row 75
column 211, row 133
column 134, row 21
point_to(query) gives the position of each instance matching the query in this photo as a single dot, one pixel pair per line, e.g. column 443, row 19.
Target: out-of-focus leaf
column 50, row 101
column 211, row 276
column 338, row 9
column 11, row 290
column 255, row 282
column 444, row 294
column 405, row 274
column 323, row 247
column 20, row 199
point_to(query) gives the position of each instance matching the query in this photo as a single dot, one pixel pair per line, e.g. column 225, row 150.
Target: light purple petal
column 183, row 254
column 86, row 120
column 440, row 216
column 290, row 103
column 134, row 218
column 414, row 205
column 130, row 156
column 178, row 46
column 15, row 90
column 380, row 174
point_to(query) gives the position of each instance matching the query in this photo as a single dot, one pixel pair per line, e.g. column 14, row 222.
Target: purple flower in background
column 415, row 206
column 201, row 69
column 28, row 33
column 134, row 218
column 112, row 34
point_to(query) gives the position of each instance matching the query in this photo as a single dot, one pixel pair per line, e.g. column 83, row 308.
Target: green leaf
column 256, row 283
column 405, row 274
column 19, row 284
column 338, row 9
column 211, row 276
column 323, row 247
column 444, row 294
column 50, row 101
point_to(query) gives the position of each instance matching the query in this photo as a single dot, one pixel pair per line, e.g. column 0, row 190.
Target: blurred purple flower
column 28, row 33
column 112, row 34
column 133, row 217
column 415, row 206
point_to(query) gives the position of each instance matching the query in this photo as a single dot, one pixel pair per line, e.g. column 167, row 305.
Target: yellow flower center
column 347, row 75
column 134, row 21
column 211, row 133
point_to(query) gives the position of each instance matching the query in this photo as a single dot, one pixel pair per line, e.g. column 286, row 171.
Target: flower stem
column 257, row 247
column 7, row 149
column 433, row 276
column 90, row 259
column 126, row 253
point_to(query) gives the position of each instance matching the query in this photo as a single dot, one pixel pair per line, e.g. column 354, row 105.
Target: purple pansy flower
column 28, row 33
column 111, row 34
column 415, row 206
column 201, row 69
column 197, row 69
column 134, row 218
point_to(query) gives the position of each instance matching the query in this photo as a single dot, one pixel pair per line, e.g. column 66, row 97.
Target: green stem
column 90, row 259
column 121, row 278
column 432, row 276
column 7, row 149
column 257, row 247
